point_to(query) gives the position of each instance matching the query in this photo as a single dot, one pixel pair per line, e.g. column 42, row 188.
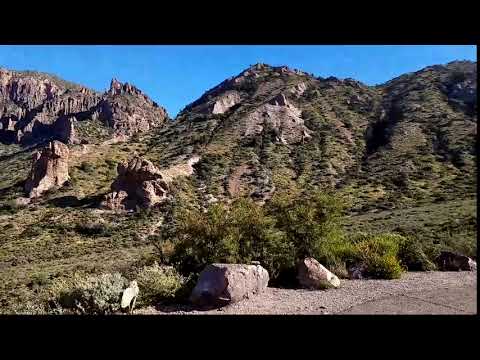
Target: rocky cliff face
column 35, row 107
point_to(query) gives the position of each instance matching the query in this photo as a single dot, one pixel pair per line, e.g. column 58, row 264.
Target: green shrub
column 238, row 233
column 312, row 223
column 88, row 295
column 93, row 229
column 157, row 283
column 112, row 164
column 413, row 257
column 378, row 253
column 87, row 167
column 291, row 227
column 39, row 279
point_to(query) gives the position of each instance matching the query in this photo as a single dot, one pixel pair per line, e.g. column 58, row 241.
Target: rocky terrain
column 108, row 168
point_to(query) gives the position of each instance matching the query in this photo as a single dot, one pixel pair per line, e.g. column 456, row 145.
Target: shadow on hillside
column 25, row 149
column 74, row 202
column 17, row 187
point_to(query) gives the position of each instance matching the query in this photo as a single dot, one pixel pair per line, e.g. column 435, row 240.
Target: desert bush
column 157, row 283
column 238, row 233
column 112, row 164
column 379, row 254
column 87, row 167
column 93, row 229
column 312, row 223
column 39, row 279
column 413, row 256
column 278, row 235
column 99, row 294
column 11, row 207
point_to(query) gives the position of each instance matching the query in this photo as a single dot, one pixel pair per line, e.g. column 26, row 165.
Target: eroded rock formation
column 139, row 184
column 49, row 169
column 225, row 102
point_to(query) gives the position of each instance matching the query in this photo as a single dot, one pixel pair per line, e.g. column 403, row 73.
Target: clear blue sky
column 174, row 76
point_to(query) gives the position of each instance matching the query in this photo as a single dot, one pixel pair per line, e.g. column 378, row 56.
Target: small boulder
column 357, row 271
column 313, row 275
column 220, row 284
column 129, row 296
column 449, row 261
column 21, row 201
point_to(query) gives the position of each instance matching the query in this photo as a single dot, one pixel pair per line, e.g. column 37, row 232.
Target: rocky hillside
column 404, row 152
column 36, row 106
column 410, row 140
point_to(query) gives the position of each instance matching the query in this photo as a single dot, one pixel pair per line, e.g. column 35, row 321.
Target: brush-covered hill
column 404, row 152
column 409, row 141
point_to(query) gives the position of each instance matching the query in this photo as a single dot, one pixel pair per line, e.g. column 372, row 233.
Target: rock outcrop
column 313, row 275
column 279, row 117
column 220, row 284
column 225, row 102
column 49, row 169
column 139, row 184
column 449, row 261
column 129, row 296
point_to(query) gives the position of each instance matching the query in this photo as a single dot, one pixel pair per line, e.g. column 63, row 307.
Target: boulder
column 49, row 169
column 139, row 183
column 313, row 275
column 220, row 284
column 357, row 271
column 449, row 261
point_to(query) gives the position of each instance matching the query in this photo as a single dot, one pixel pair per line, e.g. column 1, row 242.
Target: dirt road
column 414, row 293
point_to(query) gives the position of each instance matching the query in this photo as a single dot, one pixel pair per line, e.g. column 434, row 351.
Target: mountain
column 407, row 141
column 403, row 151
column 37, row 106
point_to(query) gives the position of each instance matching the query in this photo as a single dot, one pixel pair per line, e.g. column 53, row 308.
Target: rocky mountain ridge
column 36, row 106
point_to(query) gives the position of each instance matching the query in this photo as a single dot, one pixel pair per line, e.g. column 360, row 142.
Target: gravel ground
column 414, row 293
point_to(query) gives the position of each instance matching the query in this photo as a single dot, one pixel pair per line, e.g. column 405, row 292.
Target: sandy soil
column 414, row 293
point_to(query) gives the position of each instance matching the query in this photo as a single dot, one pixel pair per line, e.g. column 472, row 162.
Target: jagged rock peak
column 119, row 88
